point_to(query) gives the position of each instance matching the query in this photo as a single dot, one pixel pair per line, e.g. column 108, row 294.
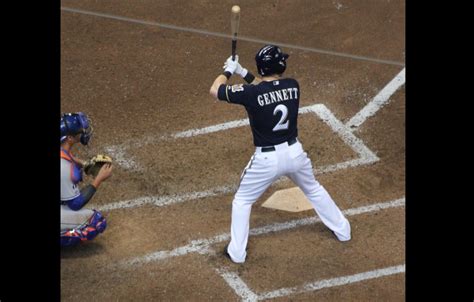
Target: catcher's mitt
column 93, row 165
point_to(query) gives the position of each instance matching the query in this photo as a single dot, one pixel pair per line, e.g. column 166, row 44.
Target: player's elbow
column 213, row 91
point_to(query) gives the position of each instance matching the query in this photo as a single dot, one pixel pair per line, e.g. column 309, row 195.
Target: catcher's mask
column 76, row 123
column 271, row 60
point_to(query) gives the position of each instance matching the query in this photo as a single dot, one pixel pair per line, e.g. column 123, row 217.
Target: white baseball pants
column 262, row 170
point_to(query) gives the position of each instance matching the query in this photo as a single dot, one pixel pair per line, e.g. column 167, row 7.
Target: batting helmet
column 76, row 123
column 271, row 60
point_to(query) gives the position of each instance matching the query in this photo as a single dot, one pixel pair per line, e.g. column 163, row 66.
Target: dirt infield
column 144, row 84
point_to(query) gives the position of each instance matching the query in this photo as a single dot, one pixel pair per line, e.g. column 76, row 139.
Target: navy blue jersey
column 272, row 108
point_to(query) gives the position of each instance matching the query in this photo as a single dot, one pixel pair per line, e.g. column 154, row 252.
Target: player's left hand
column 94, row 165
column 230, row 65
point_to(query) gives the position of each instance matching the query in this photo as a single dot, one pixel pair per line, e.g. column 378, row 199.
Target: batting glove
column 241, row 71
column 230, row 65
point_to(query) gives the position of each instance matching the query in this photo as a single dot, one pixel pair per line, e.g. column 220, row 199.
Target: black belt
column 272, row 148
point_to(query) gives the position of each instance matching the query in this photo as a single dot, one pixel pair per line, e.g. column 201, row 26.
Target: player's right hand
column 104, row 172
column 231, row 65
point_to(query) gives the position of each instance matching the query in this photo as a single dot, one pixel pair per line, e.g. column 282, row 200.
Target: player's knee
column 315, row 190
column 241, row 202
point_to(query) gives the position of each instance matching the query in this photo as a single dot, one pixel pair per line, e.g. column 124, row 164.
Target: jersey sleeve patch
column 236, row 87
column 238, row 94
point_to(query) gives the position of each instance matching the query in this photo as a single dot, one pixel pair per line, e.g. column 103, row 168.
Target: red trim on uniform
column 66, row 156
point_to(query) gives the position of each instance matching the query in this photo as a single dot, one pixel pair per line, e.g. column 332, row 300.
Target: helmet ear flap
column 86, row 128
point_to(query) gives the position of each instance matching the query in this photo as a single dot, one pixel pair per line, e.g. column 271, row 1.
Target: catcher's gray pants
column 72, row 219
column 263, row 169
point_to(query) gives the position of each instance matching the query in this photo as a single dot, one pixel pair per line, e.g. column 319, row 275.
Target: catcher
column 77, row 223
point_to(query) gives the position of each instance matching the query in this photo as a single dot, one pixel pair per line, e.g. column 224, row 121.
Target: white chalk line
column 347, row 136
column 128, row 163
column 380, row 100
column 203, row 246
column 366, row 157
column 161, row 201
column 212, row 129
column 238, row 285
column 243, row 291
column 228, row 36
column 119, row 154
column 327, row 283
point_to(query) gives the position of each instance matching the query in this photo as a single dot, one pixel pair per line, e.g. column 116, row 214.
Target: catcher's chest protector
column 71, row 175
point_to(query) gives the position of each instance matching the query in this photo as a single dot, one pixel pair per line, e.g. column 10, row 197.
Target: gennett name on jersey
column 277, row 96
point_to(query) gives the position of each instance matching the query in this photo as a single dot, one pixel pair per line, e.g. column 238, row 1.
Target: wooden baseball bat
column 234, row 24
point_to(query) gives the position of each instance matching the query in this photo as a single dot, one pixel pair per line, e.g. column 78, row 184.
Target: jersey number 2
column 284, row 114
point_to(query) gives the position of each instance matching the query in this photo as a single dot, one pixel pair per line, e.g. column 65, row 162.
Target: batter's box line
column 366, row 156
column 204, row 246
column 380, row 100
column 119, row 152
column 244, row 292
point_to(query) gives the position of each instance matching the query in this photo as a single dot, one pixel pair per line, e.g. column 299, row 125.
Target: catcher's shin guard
column 98, row 221
column 95, row 225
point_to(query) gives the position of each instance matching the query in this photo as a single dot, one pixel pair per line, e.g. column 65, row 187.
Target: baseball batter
column 272, row 104
column 77, row 223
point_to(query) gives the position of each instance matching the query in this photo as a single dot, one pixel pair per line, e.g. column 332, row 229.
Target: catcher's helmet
column 75, row 123
column 271, row 60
